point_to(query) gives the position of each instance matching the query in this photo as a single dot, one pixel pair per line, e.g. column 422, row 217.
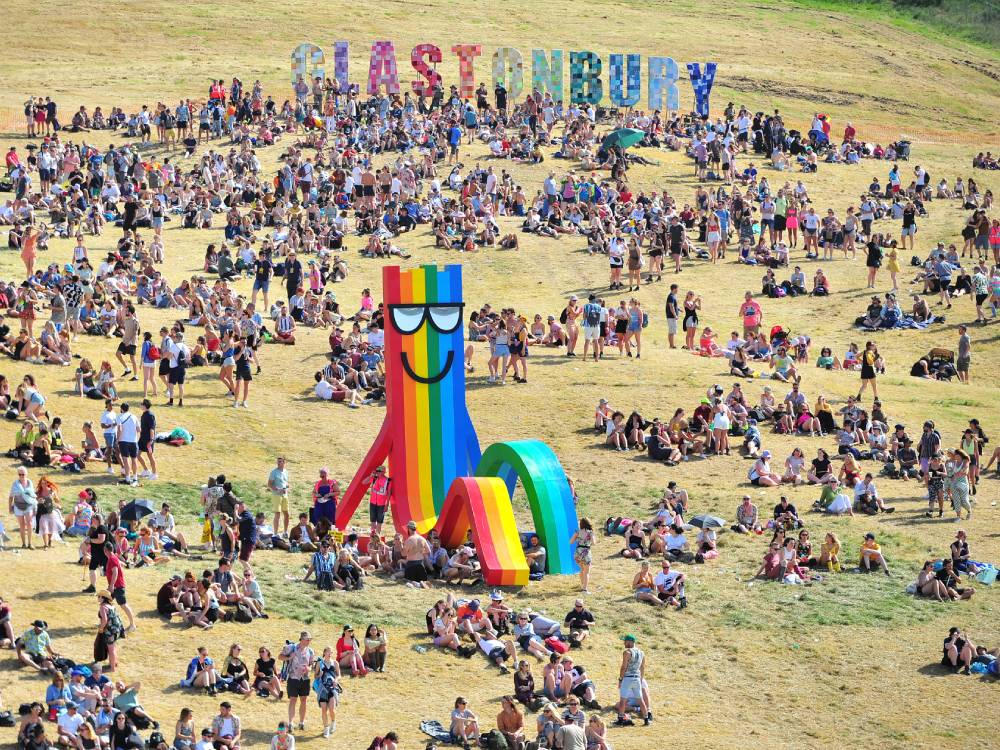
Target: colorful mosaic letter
column 701, row 82
column 547, row 76
column 307, row 61
column 382, row 69
column 433, row 78
column 585, row 78
column 508, row 69
column 662, row 84
column 632, row 75
column 467, row 53
column 341, row 51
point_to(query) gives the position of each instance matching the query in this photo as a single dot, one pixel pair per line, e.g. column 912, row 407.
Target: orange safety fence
column 12, row 124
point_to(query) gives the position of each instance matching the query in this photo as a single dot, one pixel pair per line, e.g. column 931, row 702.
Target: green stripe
column 436, row 435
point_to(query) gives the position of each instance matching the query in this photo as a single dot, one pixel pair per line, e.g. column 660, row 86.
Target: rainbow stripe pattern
column 438, row 478
column 434, row 440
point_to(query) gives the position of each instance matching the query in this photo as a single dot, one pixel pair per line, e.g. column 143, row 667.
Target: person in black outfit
column 293, row 275
column 578, row 620
column 97, row 535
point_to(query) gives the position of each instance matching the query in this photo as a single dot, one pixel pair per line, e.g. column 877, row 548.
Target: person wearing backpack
column 180, row 358
column 591, row 326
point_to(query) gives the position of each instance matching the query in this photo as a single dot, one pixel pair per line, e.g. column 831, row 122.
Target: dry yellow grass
column 839, row 663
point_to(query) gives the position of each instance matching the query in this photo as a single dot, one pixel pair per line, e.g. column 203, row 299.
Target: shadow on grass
column 45, row 595
column 936, row 669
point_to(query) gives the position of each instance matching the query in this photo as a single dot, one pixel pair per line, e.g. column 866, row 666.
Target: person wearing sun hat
column 499, row 613
column 631, row 676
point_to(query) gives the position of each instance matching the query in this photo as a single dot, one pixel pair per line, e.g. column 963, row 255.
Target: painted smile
column 432, row 379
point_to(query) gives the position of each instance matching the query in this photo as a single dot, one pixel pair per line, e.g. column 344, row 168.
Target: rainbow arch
column 483, row 505
column 549, row 495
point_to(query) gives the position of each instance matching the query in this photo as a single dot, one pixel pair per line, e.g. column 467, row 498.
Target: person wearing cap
column 416, row 550
column 299, row 658
column 460, row 566
column 283, row 739
column 380, row 492
column 631, row 675
column 34, row 647
column 471, row 618
column 227, row 728
column 207, row 741
column 579, row 621
column 760, row 474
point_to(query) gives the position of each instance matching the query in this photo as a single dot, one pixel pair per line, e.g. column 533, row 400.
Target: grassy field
column 845, row 662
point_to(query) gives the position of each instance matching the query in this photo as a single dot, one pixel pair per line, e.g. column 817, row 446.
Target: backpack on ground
column 493, row 740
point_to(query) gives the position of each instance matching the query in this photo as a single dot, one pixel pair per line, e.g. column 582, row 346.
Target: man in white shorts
column 630, row 679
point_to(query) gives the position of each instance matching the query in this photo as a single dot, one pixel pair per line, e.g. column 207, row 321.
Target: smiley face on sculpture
column 409, row 318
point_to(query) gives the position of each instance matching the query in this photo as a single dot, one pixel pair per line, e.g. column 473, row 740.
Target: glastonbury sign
column 586, row 69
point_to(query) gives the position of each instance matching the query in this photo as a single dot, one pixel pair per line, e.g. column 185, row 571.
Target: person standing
column 869, row 363
column 672, row 311
column 584, row 540
column 114, row 572
column 97, row 536
column 179, row 357
column 752, row 315
column 277, row 483
column 631, row 676
column 23, row 503
column 109, row 631
column 378, row 500
column 964, row 358
column 299, row 658
column 244, row 356
column 128, row 444
column 248, row 533
column 129, row 342
column 293, row 275
column 147, row 440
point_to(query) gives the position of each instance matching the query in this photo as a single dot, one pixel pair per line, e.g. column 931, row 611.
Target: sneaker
column 302, row 725
column 89, row 590
column 152, row 477
column 134, row 378
column 621, row 721
column 111, row 470
column 333, row 727
column 326, row 731
column 144, row 474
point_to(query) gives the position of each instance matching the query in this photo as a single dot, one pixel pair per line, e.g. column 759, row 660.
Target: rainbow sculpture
column 440, row 478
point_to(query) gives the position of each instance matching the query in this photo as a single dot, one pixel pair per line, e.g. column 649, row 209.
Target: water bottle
column 420, row 649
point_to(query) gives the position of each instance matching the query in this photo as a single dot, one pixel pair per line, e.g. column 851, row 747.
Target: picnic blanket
column 906, row 321
column 433, row 728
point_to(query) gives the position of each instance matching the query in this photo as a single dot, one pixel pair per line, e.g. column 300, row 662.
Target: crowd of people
column 328, row 190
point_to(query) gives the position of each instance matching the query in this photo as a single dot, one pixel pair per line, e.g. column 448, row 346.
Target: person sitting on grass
column 747, row 518
column 871, row 552
column 528, row 639
column 928, row 584
column 669, row 586
column 958, row 651
column 644, row 588
column 950, row 580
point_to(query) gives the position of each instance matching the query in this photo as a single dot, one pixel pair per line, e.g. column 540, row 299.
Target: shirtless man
column 415, row 549
column 368, row 188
